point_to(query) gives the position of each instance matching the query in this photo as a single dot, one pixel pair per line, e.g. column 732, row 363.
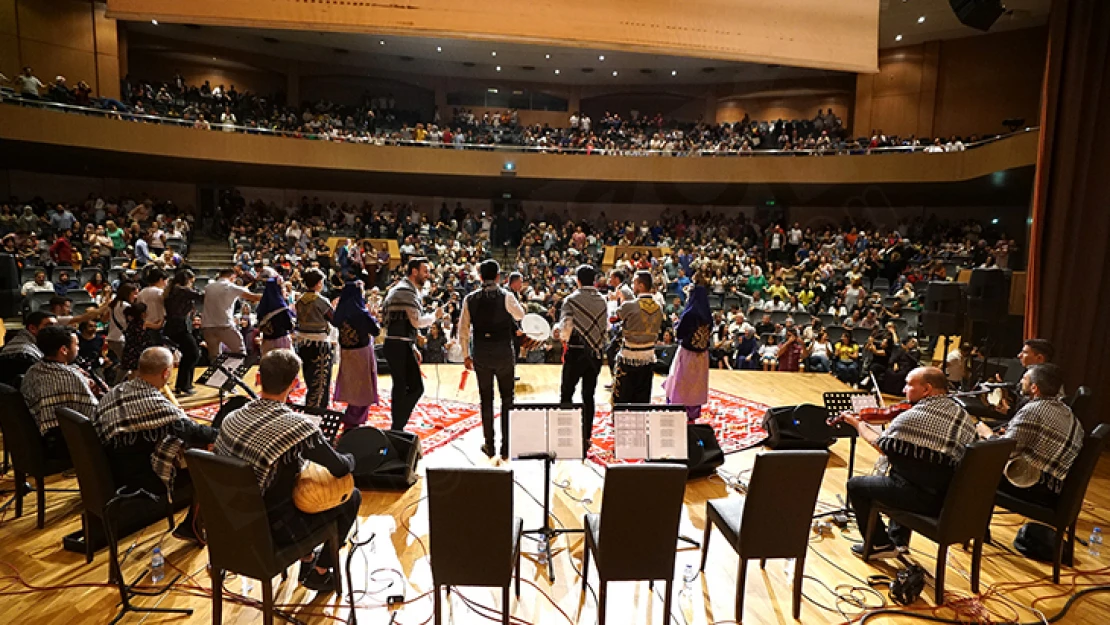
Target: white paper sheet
column 218, row 378
column 667, row 435
column 630, row 435
column 528, row 432
column 859, row 402
column 564, row 434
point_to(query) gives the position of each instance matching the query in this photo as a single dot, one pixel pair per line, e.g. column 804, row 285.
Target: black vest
column 492, row 323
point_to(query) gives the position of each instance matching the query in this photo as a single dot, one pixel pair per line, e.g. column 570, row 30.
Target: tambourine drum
column 317, row 490
column 535, row 327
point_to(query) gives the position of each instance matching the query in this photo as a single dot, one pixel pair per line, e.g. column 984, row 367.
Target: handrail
column 363, row 138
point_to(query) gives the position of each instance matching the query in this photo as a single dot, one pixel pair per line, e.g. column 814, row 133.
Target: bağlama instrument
column 317, row 490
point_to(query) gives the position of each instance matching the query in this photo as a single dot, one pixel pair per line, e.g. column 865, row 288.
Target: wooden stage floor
column 38, row 559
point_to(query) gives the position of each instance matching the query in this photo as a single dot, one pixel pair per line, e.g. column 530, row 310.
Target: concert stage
column 379, row 567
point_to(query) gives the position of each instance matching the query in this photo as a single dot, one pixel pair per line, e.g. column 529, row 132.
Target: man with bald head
column 922, row 446
column 146, row 434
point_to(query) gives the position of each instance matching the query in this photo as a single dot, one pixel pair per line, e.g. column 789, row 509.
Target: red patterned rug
column 737, row 422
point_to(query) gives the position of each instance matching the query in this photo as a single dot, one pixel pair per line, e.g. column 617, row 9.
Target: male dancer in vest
column 641, row 320
column 403, row 313
column 582, row 328
column 492, row 312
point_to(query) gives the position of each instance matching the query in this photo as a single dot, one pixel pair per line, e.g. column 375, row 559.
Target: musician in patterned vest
column 1048, row 436
column 923, row 445
column 21, row 350
column 641, row 320
column 146, row 434
column 55, row 382
column 275, row 442
column 403, row 314
column 493, row 313
column 583, row 328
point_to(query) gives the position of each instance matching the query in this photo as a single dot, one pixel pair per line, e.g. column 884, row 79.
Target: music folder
column 649, row 432
column 545, row 430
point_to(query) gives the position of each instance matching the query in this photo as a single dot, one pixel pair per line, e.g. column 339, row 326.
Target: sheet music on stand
column 848, row 401
column 649, row 432
column 546, row 429
column 213, row 377
column 328, row 421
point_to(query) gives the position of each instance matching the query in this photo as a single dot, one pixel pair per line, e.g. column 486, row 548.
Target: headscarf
column 275, row 318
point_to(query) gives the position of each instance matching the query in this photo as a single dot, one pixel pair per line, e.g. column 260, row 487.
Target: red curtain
column 1068, row 299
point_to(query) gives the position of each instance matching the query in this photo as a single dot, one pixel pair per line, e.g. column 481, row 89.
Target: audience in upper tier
column 838, row 299
column 377, row 120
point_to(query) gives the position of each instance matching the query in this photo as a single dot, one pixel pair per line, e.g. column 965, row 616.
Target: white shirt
column 155, row 305
column 117, row 322
column 956, row 368
column 219, row 303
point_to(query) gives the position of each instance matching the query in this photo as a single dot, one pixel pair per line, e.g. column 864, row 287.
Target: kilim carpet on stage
column 737, row 422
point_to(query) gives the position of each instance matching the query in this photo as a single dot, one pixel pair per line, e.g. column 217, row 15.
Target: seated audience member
column 22, row 350
column 38, row 285
column 791, row 353
column 62, row 309
column 846, row 361
column 820, row 353
column 906, row 358
column 146, row 434
column 54, row 382
column 923, row 446
column 769, row 353
column 1048, row 438
column 275, row 441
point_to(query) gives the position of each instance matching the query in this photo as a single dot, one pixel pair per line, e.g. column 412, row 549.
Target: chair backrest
column 970, row 499
column 640, row 513
column 21, row 434
column 94, row 474
column 802, row 319
column 1079, row 475
column 860, row 335
column 778, row 510
column 235, row 520
column 779, row 316
column 1080, row 403
column 470, row 519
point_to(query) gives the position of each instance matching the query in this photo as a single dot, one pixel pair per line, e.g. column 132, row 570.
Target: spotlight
column 494, row 53
column 556, row 72
column 898, row 38
column 547, row 56
column 921, row 20
column 155, row 22
column 614, row 72
column 674, row 72
column 601, row 57
column 439, row 49
column 498, row 68
column 381, row 42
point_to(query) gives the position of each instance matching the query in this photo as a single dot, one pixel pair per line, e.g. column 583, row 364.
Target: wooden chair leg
column 437, row 600
column 741, row 578
column 942, row 567
column 705, row 541
column 976, row 564
column 337, row 575
column 217, row 596
column 667, row 599
column 88, row 541
column 1071, row 540
column 762, row 563
column 518, row 570
column 799, row 570
column 267, row 602
column 20, row 480
column 651, row 584
column 601, row 602
column 585, row 562
column 40, row 488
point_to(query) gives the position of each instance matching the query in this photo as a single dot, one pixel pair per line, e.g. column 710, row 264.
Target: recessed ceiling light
column 381, row 42
column 921, row 20
column 614, row 72
column 439, row 48
column 498, row 68
column 213, row 58
column 547, row 56
column 556, row 72
column 601, row 57
column 674, row 72
column 494, row 53
column 155, row 22
column 898, row 38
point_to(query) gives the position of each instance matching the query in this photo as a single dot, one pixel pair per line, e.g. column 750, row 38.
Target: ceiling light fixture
column 498, row 68
column 921, row 20
column 674, row 72
column 547, row 56
column 155, row 22
column 601, row 57
column 381, row 42
column 439, row 48
column 494, row 53
column 898, row 38
column 614, row 72
column 556, row 72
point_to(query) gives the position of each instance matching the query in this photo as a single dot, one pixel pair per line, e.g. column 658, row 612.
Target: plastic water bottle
column 1094, row 543
column 157, row 566
column 541, row 551
column 688, row 579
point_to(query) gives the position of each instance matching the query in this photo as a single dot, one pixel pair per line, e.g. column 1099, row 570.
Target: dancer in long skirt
column 688, row 382
column 275, row 318
column 357, row 384
column 314, row 314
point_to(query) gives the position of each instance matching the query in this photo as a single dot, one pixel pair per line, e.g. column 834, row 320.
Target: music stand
column 226, row 372
column 328, row 421
column 656, row 446
column 836, row 403
column 535, row 449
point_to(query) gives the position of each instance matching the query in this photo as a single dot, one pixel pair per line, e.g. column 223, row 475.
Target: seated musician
column 923, row 446
column 274, row 441
column 1033, row 352
column 22, row 351
column 55, row 382
column 1048, row 438
column 146, row 434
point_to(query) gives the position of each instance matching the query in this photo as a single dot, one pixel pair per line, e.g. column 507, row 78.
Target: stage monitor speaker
column 10, row 297
column 703, row 452
column 798, row 427
column 988, row 295
column 384, row 459
column 978, row 14
column 945, row 307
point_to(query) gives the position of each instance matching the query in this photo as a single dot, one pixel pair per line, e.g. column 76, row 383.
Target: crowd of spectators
column 377, row 120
